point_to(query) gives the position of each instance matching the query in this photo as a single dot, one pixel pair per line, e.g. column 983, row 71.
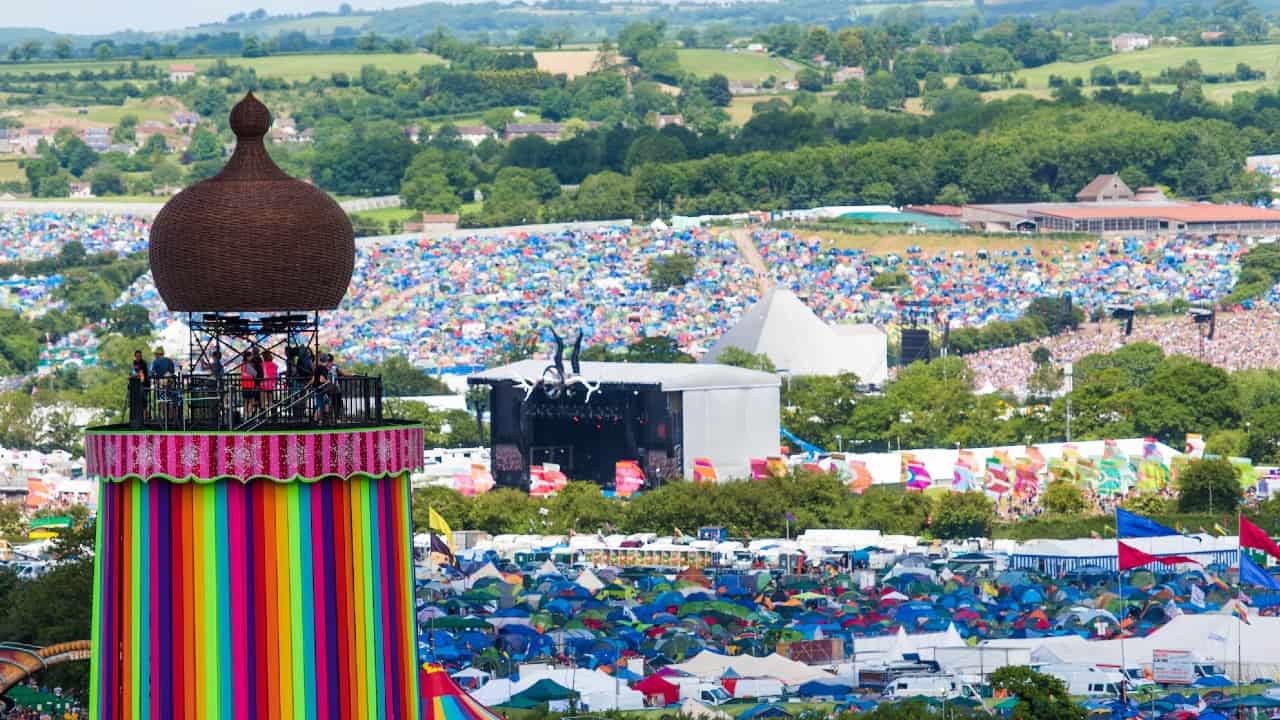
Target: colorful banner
column 704, row 471
column 628, row 477
column 963, row 475
column 545, row 480
column 776, row 466
column 205, row 457
column 1195, row 446
column 38, row 494
column 918, row 477
column 997, row 476
column 861, row 479
column 254, row 600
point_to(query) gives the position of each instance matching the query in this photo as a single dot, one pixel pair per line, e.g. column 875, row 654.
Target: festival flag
column 1131, row 557
column 918, row 475
column 862, row 478
column 1195, row 446
column 759, row 469
column 1239, row 610
column 438, row 545
column 962, row 479
column 1254, row 574
column 1150, row 448
column 38, row 494
column 1087, row 472
column 1197, row 596
column 1036, row 457
column 1252, row 536
column 997, row 476
column 777, row 466
column 437, row 524
column 704, row 471
column 1025, row 481
column 481, row 479
column 1132, row 525
column 1219, row 529
column 628, row 477
column 545, row 480
column 1153, row 476
column 1111, row 450
column 1245, row 470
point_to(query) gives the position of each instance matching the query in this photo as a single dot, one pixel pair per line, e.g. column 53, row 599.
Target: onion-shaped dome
column 251, row 238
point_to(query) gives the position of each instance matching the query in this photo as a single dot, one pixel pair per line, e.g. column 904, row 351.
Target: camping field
column 285, row 67
column 741, row 66
column 1151, row 62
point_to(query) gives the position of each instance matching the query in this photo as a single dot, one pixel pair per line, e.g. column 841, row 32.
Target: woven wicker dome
column 251, row 238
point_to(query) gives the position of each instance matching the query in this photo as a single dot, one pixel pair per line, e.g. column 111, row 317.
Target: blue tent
column 763, row 711
column 824, row 688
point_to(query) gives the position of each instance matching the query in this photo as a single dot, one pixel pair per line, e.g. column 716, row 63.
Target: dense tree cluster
column 746, row 509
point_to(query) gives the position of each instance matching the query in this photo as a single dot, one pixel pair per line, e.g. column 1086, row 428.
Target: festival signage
column 1172, row 667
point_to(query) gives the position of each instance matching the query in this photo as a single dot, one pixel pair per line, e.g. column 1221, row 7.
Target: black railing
column 205, row 402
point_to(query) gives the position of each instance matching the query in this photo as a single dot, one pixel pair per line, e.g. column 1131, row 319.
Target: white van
column 930, row 686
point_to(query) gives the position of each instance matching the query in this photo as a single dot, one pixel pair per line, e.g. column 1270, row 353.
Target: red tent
column 656, row 686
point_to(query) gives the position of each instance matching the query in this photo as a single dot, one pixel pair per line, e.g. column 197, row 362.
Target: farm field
column 1151, row 62
column 741, row 66
column 10, row 172
column 568, row 62
column 285, row 67
column 160, row 108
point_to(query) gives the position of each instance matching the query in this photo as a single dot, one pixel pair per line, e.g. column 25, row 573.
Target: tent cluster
column 738, row 630
column 974, row 290
column 454, row 303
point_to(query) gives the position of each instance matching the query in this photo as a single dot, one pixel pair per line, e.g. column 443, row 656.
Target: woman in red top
column 270, row 371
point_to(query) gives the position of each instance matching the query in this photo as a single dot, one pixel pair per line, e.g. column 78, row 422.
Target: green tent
column 543, row 691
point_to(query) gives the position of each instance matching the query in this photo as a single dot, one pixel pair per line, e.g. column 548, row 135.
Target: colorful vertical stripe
column 259, row 600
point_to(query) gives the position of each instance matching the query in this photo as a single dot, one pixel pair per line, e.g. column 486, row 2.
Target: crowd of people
column 1235, row 345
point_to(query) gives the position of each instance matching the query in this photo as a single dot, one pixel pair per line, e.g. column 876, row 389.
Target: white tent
column 1213, row 637
column 798, row 341
column 691, row 708
column 597, row 690
column 711, row 666
column 589, row 581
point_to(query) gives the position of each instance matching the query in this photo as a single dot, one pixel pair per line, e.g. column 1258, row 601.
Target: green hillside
column 1151, row 62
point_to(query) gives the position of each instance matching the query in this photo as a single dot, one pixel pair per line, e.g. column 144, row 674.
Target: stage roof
column 666, row 376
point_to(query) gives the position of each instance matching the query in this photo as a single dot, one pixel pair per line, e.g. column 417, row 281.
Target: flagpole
column 1124, row 678
column 1239, row 622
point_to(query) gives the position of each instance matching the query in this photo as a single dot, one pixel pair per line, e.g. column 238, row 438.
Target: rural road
column 747, row 248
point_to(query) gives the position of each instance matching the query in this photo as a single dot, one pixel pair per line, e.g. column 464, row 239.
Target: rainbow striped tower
column 254, row 576
column 254, row 557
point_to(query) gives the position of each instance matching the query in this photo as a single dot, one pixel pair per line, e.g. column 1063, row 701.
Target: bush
column 671, row 271
column 1064, row 498
column 1210, row 485
column 963, row 515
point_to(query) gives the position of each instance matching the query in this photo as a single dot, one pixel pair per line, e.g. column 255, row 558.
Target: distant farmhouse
column 1128, row 42
column 181, row 72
